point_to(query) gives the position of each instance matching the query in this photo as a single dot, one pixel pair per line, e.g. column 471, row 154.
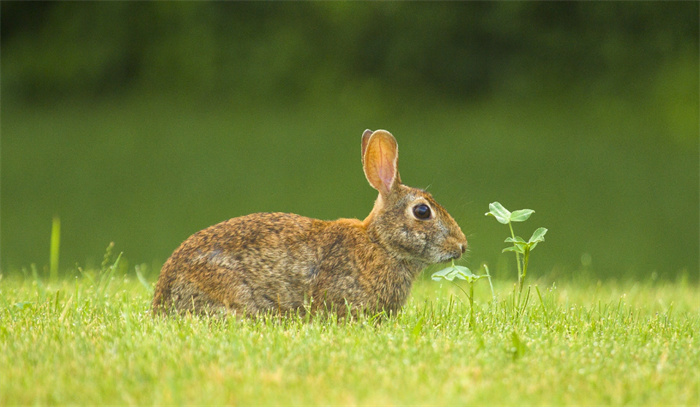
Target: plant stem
column 517, row 260
column 472, row 321
column 493, row 293
column 523, row 304
column 461, row 289
column 526, row 259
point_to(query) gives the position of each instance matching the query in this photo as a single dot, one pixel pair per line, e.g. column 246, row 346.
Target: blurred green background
column 141, row 123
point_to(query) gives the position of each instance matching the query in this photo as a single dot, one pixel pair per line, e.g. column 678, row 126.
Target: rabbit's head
column 407, row 221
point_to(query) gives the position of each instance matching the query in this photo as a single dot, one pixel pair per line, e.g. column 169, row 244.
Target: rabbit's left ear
column 380, row 160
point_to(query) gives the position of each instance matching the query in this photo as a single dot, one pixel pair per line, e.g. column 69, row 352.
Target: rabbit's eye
column 421, row 211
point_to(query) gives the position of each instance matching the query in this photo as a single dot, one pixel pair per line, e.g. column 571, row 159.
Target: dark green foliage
column 456, row 49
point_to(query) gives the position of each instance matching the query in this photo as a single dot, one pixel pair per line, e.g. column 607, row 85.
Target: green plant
column 463, row 273
column 520, row 247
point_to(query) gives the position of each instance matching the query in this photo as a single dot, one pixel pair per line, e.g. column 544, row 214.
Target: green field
column 141, row 123
column 92, row 341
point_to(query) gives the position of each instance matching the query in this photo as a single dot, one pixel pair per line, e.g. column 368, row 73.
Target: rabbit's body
column 282, row 263
column 303, row 259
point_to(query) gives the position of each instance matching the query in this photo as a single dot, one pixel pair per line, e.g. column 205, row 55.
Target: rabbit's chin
column 423, row 261
column 436, row 257
column 445, row 257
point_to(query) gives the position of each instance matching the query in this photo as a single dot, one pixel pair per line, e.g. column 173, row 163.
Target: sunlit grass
column 75, row 342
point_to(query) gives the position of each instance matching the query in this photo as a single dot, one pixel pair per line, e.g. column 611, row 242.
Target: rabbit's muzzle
column 456, row 251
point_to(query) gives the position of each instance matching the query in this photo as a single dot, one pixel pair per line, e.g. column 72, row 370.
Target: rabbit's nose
column 463, row 247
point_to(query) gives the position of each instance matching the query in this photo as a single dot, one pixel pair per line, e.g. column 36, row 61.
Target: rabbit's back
column 251, row 264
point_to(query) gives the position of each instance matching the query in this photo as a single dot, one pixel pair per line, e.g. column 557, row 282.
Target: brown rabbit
column 282, row 263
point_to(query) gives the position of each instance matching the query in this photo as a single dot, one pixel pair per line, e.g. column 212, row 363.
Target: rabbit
column 286, row 263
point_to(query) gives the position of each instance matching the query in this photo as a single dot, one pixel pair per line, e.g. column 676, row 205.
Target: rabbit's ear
column 365, row 140
column 380, row 160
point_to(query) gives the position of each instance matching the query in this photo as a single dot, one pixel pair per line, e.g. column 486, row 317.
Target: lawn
column 91, row 340
column 142, row 131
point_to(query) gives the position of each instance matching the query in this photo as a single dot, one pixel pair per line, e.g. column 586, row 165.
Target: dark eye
column 421, row 211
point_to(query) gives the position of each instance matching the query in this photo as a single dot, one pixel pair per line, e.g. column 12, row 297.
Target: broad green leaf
column 452, row 272
column 538, row 235
column 501, row 214
column 438, row 275
column 449, row 274
column 517, row 249
column 521, row 215
column 444, row 271
column 517, row 239
column 466, row 272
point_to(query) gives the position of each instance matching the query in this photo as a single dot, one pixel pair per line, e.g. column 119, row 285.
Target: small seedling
column 521, row 247
column 463, row 273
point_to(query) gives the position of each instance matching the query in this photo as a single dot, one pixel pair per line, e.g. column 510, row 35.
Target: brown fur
column 286, row 263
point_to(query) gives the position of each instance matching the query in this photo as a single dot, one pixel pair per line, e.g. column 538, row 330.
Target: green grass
column 92, row 341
